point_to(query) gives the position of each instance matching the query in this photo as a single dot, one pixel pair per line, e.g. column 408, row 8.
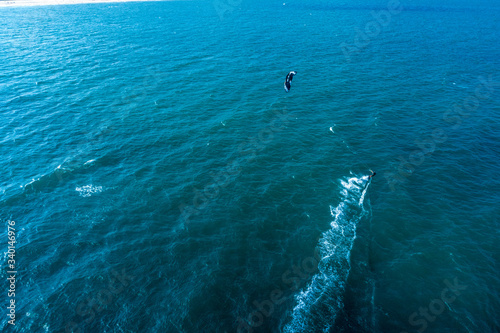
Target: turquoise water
column 162, row 180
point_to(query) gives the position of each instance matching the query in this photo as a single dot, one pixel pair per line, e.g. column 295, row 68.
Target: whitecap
column 88, row 190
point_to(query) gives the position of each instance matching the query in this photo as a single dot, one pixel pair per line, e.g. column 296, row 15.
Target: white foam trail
column 362, row 198
column 318, row 305
column 88, row 190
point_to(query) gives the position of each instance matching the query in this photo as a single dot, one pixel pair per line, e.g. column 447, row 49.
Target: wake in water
column 318, row 305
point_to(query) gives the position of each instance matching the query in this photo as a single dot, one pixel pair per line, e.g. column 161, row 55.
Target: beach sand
column 24, row 3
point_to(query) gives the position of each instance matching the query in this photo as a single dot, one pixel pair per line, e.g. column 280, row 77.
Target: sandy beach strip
column 26, row 3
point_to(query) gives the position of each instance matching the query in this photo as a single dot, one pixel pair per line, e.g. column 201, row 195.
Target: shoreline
column 33, row 3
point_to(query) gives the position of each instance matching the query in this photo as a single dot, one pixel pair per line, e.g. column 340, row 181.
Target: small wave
column 51, row 179
column 56, row 176
column 318, row 305
column 88, row 190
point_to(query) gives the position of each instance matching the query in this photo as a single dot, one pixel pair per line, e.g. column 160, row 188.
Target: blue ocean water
column 162, row 180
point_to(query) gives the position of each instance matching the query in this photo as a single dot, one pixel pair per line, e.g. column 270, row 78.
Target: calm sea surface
column 162, row 180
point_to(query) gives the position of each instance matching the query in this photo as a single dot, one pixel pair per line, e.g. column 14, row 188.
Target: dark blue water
column 162, row 180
